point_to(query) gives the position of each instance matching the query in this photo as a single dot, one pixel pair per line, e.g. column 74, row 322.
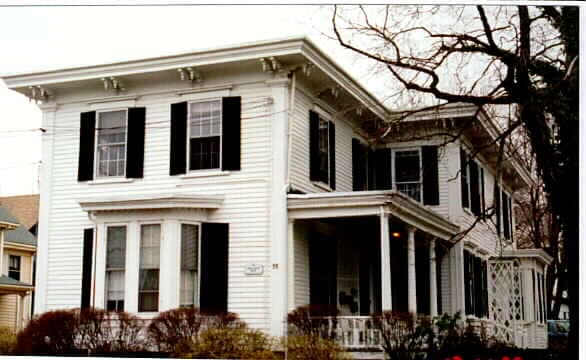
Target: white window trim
column 198, row 224
column 394, row 164
column 188, row 140
column 96, row 164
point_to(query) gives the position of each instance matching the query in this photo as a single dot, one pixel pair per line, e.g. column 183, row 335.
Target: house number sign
column 254, row 269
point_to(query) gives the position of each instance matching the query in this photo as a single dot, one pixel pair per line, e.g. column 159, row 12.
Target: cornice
column 168, row 201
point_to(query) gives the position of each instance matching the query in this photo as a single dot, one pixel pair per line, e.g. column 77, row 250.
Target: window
column 111, row 143
column 189, row 265
column 408, row 177
column 205, row 135
column 504, row 214
column 324, row 150
column 14, row 267
column 115, row 267
column 148, row 287
column 475, row 282
column 472, row 184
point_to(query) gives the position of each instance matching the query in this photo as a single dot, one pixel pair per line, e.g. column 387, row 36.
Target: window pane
column 407, row 166
column 116, row 247
column 189, row 264
column 111, row 140
column 205, row 153
column 148, row 287
column 205, row 118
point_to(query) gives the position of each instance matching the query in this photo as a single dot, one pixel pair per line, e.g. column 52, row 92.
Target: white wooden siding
column 301, row 251
column 246, row 199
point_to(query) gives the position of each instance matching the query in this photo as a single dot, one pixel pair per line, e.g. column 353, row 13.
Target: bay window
column 189, row 265
column 111, row 143
column 148, row 291
column 115, row 267
column 205, row 135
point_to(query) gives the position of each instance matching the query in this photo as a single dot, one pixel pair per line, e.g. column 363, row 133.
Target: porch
column 367, row 252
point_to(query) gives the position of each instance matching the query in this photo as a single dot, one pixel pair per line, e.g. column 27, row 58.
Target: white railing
column 352, row 332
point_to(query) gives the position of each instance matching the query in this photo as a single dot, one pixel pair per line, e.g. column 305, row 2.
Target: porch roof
column 538, row 254
column 371, row 203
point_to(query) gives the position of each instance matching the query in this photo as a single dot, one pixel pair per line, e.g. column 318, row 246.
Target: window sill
column 322, row 185
column 110, row 181
column 204, row 173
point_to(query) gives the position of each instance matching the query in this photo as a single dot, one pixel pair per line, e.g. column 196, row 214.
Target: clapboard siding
column 245, row 207
column 301, row 269
column 299, row 166
column 445, row 295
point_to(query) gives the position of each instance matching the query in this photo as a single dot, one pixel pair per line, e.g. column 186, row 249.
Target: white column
column 456, row 254
column 432, row 280
column 278, row 205
column 20, row 311
column 45, row 176
column 291, row 265
column 385, row 263
column 411, row 285
column 170, row 272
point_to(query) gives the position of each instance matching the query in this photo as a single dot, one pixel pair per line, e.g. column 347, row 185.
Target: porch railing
column 351, row 332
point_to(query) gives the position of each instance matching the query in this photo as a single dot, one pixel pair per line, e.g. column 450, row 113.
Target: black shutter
column 464, row 178
column 478, row 288
column 135, row 146
column 484, row 288
column 358, row 166
column 87, row 130
column 178, row 155
column 430, row 175
column 314, row 146
column 511, row 225
column 371, row 170
column 231, row 127
column 474, row 188
column 86, row 275
column 467, row 284
column 482, row 196
column 214, row 267
column 382, row 173
column 332, row 150
column 506, row 218
column 497, row 209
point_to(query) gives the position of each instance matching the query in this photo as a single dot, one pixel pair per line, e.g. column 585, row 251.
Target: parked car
column 558, row 334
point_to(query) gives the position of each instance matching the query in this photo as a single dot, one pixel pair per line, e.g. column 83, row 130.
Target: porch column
column 20, row 311
column 411, row 285
column 432, row 280
column 385, row 263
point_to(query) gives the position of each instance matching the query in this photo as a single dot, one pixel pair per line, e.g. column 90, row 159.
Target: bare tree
column 514, row 56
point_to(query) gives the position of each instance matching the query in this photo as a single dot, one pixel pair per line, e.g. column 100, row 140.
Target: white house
column 243, row 179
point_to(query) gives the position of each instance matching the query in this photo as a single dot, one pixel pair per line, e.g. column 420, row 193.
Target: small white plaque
column 254, row 269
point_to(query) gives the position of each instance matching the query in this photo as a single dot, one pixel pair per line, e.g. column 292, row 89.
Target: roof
column 372, row 203
column 18, row 233
column 6, row 281
column 7, row 219
column 25, row 208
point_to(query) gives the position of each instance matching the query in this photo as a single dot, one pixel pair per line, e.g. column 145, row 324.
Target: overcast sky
column 39, row 38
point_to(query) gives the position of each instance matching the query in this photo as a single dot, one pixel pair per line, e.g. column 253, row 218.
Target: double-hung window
column 472, row 184
column 148, row 291
column 14, row 267
column 324, row 150
column 115, row 267
column 111, row 135
column 189, row 265
column 408, row 174
column 205, row 135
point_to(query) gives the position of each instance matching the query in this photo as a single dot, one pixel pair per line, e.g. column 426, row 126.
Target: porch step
column 367, row 355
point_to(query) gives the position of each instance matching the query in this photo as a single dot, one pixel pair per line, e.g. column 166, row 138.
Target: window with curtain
column 324, row 150
column 189, row 265
column 148, row 287
column 205, row 132
column 111, row 143
column 408, row 175
column 115, row 267
column 14, row 267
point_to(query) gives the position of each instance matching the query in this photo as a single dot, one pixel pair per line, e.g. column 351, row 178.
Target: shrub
column 228, row 343
column 399, row 337
column 174, row 327
column 313, row 347
column 77, row 331
column 7, row 340
column 51, row 333
column 318, row 320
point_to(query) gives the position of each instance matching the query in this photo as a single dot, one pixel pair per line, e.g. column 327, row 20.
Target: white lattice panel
column 505, row 299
